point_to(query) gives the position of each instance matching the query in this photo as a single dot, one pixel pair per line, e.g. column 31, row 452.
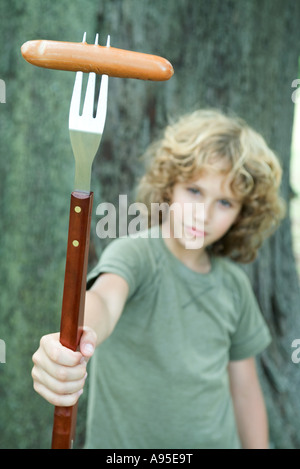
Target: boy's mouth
column 195, row 232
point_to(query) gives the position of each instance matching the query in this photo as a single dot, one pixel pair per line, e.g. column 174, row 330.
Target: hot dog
column 75, row 56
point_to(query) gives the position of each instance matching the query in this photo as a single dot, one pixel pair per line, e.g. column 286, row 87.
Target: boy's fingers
column 57, row 361
column 65, row 400
column 58, row 372
column 88, row 342
column 57, row 386
column 57, row 353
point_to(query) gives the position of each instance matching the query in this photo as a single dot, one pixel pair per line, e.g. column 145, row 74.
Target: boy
column 177, row 321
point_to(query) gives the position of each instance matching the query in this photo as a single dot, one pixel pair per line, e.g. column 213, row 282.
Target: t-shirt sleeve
column 251, row 335
column 124, row 257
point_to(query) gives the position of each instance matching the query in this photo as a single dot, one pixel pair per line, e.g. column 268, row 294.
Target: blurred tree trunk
column 228, row 54
column 237, row 56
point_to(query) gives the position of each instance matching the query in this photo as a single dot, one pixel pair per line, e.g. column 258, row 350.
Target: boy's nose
column 198, row 213
column 207, row 210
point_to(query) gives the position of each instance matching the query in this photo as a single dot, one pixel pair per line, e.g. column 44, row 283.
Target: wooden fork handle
column 73, row 303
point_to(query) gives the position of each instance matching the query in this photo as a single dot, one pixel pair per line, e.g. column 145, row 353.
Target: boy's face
column 206, row 208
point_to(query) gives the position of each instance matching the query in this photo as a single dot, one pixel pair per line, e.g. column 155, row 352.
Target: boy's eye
column 194, row 190
column 225, row 203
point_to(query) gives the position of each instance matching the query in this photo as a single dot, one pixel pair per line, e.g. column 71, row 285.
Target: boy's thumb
column 88, row 342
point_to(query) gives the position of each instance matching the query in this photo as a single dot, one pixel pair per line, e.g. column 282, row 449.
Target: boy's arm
column 58, row 372
column 249, row 406
column 104, row 304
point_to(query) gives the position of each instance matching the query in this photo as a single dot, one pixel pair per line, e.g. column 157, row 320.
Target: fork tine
column 76, row 95
column 102, row 100
column 102, row 103
column 88, row 106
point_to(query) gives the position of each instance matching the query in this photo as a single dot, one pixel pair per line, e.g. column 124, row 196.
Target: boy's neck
column 197, row 260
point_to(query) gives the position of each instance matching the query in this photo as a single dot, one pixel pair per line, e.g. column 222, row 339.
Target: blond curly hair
column 197, row 141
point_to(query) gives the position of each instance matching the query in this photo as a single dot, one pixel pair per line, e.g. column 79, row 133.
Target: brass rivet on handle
column 75, row 243
column 77, row 209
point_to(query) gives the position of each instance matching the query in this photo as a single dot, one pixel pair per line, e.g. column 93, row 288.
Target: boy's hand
column 59, row 373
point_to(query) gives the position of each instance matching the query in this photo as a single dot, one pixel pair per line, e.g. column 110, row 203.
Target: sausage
column 75, row 56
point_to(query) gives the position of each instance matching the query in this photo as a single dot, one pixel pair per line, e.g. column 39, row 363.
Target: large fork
column 85, row 134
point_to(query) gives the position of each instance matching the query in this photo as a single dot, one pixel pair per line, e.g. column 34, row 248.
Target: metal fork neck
column 83, row 159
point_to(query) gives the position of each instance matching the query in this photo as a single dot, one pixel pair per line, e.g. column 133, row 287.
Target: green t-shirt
column 160, row 380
